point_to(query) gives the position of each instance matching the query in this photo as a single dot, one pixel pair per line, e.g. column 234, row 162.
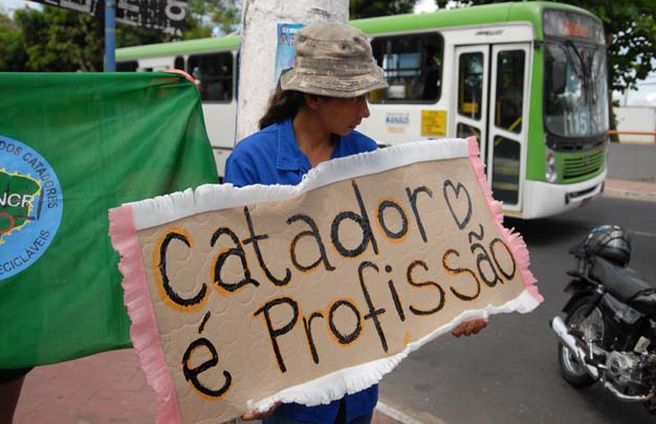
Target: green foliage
column 215, row 16
column 60, row 40
column 56, row 39
column 630, row 33
column 372, row 8
column 12, row 51
column 128, row 36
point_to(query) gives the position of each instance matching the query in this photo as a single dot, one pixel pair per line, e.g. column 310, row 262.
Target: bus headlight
column 551, row 173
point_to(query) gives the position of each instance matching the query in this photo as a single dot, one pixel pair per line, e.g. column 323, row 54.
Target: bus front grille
column 583, row 164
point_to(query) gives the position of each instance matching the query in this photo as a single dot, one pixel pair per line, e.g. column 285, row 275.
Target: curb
column 394, row 414
column 630, row 195
column 630, row 190
column 389, row 414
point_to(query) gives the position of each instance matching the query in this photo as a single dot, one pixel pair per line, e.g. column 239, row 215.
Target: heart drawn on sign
column 460, row 210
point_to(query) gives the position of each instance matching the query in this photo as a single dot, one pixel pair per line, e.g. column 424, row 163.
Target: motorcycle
column 608, row 334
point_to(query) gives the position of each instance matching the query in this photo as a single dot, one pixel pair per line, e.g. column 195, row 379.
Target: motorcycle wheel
column 593, row 329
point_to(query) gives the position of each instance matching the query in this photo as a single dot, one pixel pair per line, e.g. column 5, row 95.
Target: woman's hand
column 254, row 415
column 469, row 328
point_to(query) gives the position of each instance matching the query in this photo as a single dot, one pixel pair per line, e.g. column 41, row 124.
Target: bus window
column 412, row 65
column 130, row 66
column 464, row 131
column 179, row 63
column 510, row 90
column 214, row 72
column 505, row 179
column 470, row 80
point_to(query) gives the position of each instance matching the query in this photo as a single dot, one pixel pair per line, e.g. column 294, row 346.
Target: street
column 509, row 373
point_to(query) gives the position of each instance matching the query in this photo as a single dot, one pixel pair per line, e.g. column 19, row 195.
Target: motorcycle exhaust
column 559, row 327
column 627, row 398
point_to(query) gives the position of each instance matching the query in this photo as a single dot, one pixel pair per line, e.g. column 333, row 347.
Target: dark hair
column 282, row 105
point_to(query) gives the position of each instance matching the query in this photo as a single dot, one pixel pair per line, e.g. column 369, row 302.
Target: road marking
column 579, row 223
column 642, row 233
column 400, row 416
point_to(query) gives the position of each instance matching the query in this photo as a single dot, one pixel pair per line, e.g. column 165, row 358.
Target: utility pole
column 258, row 49
column 110, row 35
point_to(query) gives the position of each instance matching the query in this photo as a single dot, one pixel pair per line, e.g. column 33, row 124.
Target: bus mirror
column 559, row 76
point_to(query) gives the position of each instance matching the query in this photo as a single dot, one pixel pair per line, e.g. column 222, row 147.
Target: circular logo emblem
column 31, row 206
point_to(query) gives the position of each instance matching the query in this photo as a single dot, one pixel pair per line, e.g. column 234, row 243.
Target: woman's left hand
column 470, row 327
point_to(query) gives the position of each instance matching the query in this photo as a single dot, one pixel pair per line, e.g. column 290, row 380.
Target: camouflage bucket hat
column 333, row 60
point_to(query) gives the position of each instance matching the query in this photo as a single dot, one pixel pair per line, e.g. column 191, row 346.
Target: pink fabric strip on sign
column 514, row 240
column 143, row 331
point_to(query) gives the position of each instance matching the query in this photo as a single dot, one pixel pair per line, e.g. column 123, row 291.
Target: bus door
column 508, row 123
column 470, row 110
column 491, row 104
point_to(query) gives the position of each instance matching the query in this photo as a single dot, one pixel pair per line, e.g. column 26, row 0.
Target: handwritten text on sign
column 255, row 299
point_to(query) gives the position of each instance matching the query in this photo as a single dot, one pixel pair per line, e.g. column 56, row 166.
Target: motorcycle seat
column 623, row 283
column 645, row 302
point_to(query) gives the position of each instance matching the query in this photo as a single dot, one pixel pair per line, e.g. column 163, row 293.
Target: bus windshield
column 576, row 94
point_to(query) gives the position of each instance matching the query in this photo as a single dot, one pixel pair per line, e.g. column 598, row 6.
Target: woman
column 312, row 118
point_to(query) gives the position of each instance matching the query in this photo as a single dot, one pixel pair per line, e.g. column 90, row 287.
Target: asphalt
column 108, row 388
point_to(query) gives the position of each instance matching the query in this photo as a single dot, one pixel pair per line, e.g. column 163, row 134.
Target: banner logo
column 31, row 206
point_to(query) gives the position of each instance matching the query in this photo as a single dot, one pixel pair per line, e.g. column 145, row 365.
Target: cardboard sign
column 242, row 297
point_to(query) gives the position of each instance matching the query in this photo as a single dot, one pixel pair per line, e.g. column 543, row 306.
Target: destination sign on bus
column 560, row 23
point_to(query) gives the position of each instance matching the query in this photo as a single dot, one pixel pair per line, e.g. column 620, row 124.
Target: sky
column 425, row 6
column 15, row 4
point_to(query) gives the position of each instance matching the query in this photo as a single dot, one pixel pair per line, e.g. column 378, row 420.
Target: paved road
column 509, row 373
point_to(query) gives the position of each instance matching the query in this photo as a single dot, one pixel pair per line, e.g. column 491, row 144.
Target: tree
column 216, row 17
column 128, row 36
column 60, row 40
column 371, row 8
column 56, row 39
column 12, row 50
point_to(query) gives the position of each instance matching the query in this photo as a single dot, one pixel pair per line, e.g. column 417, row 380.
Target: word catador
column 243, row 297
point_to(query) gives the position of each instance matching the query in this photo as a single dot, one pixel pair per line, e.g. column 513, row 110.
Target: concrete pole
column 110, row 35
column 258, row 49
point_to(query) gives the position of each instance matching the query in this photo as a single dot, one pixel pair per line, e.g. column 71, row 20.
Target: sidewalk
column 631, row 190
column 107, row 388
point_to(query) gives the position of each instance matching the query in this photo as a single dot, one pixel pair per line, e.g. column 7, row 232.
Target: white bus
column 528, row 79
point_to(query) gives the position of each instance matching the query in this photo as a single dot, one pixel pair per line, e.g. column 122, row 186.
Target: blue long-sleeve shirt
column 272, row 156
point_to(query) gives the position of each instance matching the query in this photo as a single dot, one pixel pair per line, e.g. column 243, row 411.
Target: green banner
column 71, row 147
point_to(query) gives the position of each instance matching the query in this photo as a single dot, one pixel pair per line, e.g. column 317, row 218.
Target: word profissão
column 494, row 265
